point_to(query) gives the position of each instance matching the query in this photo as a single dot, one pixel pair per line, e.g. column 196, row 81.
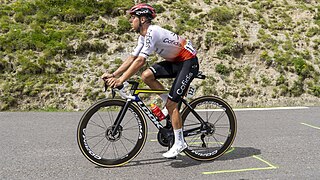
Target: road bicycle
column 113, row 131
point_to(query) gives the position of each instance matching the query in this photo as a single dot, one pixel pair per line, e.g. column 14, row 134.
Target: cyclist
column 180, row 63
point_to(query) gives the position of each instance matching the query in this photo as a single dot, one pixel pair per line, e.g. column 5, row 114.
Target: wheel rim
column 96, row 140
column 213, row 143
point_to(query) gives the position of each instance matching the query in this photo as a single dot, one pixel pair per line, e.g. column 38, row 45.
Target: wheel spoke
column 106, row 146
column 95, row 133
column 219, row 117
column 98, row 135
column 93, row 123
column 111, row 117
column 130, row 140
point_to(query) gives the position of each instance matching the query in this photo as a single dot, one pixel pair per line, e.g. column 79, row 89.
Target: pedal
column 166, row 132
column 202, row 139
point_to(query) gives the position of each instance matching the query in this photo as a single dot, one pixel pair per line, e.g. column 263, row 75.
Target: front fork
column 120, row 116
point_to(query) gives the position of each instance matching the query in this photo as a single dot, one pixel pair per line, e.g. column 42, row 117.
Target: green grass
column 58, row 47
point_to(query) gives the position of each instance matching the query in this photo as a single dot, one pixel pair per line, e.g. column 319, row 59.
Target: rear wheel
column 94, row 133
column 219, row 116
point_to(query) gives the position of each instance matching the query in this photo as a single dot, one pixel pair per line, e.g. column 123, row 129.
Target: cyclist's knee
column 147, row 76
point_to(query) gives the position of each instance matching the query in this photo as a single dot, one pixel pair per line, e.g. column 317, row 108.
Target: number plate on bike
column 191, row 92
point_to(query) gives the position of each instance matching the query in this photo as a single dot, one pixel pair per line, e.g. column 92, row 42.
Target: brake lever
column 113, row 90
column 113, row 93
column 105, row 87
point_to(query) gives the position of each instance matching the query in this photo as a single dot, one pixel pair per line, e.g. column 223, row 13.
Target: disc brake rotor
column 116, row 137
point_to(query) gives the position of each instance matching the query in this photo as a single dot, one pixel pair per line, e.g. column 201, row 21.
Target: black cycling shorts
column 183, row 72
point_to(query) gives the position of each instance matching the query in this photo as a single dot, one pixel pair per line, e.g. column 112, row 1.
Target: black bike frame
column 154, row 119
column 145, row 109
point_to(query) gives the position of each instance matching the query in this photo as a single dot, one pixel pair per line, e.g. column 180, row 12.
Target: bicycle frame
column 140, row 103
column 154, row 119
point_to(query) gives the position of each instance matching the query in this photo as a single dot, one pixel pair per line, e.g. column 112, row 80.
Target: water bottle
column 157, row 111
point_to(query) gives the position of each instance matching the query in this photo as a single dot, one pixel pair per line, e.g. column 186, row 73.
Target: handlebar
column 121, row 91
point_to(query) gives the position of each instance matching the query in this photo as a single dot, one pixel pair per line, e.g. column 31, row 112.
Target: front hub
column 117, row 135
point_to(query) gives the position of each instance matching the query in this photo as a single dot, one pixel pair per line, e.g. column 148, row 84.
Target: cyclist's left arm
column 134, row 68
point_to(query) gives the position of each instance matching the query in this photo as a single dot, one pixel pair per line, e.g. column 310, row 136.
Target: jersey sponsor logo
column 169, row 41
column 148, row 38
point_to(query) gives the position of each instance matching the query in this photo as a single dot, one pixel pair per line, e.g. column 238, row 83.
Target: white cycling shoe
column 175, row 150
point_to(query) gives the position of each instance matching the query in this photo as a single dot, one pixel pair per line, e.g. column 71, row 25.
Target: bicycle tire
column 213, row 144
column 94, row 129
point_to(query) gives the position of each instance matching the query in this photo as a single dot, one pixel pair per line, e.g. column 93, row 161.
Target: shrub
column 297, row 88
column 281, row 80
column 209, row 39
column 315, row 91
column 313, row 31
column 207, row 2
column 221, row 14
column 302, row 68
column 159, row 8
column 222, row 69
column 247, row 92
column 123, row 25
column 208, row 86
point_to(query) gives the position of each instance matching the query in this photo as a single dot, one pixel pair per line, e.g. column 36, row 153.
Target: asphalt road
column 270, row 144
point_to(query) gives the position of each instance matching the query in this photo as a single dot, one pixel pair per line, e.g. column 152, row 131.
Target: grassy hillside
column 254, row 52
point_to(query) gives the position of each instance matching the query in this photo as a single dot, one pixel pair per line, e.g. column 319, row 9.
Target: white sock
column 178, row 137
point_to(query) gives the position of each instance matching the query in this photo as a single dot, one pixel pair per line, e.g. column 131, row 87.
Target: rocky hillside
column 254, row 52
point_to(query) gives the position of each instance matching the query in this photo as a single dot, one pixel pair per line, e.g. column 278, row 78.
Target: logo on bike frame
column 150, row 115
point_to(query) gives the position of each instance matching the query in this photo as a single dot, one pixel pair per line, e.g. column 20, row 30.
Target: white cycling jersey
column 167, row 44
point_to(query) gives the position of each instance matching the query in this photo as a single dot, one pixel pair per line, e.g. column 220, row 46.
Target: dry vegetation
column 254, row 52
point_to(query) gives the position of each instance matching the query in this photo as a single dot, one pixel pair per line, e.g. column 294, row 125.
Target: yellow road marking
column 310, row 125
column 270, row 166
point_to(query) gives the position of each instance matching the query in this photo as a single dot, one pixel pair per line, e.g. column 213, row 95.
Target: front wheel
column 95, row 138
column 209, row 143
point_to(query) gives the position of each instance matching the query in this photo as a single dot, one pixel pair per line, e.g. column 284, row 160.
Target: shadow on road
column 185, row 161
column 234, row 153
column 240, row 152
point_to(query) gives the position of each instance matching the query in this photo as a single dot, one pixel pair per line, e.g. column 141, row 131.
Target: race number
column 190, row 48
column 191, row 91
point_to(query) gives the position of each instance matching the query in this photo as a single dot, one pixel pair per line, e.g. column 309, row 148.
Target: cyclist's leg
column 186, row 71
column 160, row 70
column 148, row 77
column 174, row 114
